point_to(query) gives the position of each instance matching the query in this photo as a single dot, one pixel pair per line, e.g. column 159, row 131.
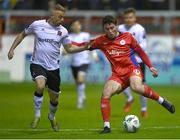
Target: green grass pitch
column 16, row 113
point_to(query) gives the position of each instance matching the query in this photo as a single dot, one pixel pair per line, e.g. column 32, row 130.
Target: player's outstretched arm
column 16, row 42
column 136, row 47
column 146, row 60
column 71, row 48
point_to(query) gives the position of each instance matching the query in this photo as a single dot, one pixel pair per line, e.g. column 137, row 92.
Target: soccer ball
column 131, row 123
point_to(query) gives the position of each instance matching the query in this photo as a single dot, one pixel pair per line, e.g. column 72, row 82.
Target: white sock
column 81, row 93
column 143, row 103
column 37, row 105
column 107, row 124
column 160, row 100
column 53, row 110
column 128, row 94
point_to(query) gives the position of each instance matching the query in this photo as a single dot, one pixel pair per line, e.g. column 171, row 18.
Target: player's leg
column 111, row 87
column 80, row 82
column 39, row 76
column 143, row 99
column 143, row 89
column 53, row 82
column 79, row 74
column 130, row 99
column 81, row 86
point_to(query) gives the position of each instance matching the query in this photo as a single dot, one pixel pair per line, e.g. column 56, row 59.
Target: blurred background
column 161, row 19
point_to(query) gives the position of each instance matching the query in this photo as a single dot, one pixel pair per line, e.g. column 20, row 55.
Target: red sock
column 105, row 109
column 149, row 93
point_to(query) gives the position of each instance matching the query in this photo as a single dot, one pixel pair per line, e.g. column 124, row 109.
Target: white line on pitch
column 91, row 129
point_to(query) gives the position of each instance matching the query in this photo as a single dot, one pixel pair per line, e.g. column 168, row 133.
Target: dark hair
column 109, row 19
column 59, row 8
column 129, row 10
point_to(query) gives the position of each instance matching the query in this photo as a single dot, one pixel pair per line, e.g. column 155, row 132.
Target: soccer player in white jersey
column 79, row 61
column 139, row 33
column 49, row 35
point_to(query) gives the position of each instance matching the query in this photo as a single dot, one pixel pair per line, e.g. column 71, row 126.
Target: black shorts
column 77, row 69
column 52, row 77
column 143, row 69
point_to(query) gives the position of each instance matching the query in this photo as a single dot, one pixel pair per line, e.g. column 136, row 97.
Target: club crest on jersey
column 59, row 33
column 122, row 42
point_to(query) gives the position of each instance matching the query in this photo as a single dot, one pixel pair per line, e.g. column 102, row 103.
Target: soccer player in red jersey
column 120, row 49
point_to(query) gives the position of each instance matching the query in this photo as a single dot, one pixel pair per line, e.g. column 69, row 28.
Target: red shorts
column 124, row 80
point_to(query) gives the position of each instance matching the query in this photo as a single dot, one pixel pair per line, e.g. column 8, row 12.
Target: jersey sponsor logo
column 115, row 52
column 122, row 42
column 47, row 40
column 59, row 33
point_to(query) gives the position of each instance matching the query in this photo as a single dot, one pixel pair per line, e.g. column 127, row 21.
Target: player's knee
column 106, row 94
column 80, row 80
column 40, row 87
column 54, row 101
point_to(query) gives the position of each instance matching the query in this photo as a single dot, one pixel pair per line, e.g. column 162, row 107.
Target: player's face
column 130, row 19
column 76, row 27
column 57, row 17
column 111, row 30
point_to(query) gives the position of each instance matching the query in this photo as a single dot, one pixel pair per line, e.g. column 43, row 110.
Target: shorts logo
column 137, row 72
column 122, row 42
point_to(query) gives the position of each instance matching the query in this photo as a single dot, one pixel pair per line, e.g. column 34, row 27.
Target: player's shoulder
column 126, row 34
column 139, row 27
column 85, row 34
column 39, row 22
column 101, row 37
column 63, row 29
column 121, row 26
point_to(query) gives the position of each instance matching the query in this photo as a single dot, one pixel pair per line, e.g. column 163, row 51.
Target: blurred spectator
column 121, row 4
column 106, row 4
column 69, row 4
column 40, row 4
column 51, row 4
column 5, row 4
column 94, row 5
column 158, row 4
column 23, row 5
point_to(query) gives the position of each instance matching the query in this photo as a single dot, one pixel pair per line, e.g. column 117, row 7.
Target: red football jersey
column 121, row 52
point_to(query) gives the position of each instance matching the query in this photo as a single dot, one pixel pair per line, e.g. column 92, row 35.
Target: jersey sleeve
column 88, row 37
column 137, row 48
column 66, row 39
column 95, row 43
column 142, row 39
column 30, row 29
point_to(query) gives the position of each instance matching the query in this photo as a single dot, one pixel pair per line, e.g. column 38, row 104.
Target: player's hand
column 10, row 54
column 154, row 71
column 88, row 45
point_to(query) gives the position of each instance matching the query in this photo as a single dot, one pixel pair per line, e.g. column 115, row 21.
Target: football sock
column 81, row 93
column 53, row 109
column 143, row 101
column 38, row 99
column 128, row 94
column 149, row 93
column 107, row 124
column 105, row 109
